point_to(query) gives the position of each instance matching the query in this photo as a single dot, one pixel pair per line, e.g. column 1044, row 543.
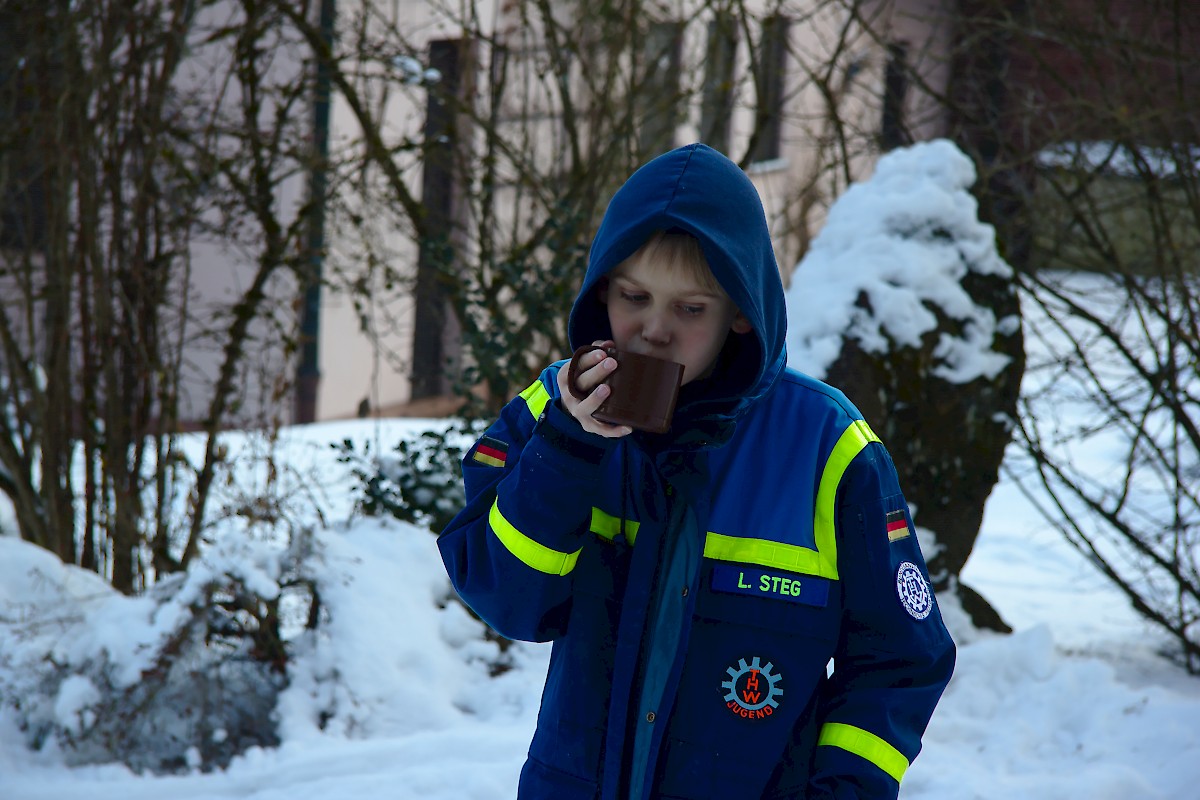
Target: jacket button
column 650, row 716
column 685, row 591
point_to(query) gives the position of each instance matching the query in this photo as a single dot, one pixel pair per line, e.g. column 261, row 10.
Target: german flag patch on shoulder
column 897, row 526
column 489, row 451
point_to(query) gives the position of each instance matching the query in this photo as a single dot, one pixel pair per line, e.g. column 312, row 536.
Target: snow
column 894, row 247
column 413, row 72
column 399, row 695
column 1120, row 158
column 1076, row 703
column 72, row 708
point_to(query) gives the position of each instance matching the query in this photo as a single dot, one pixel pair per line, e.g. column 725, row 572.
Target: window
column 664, row 44
column 431, row 357
column 22, row 185
column 770, row 69
column 717, row 103
column 892, row 130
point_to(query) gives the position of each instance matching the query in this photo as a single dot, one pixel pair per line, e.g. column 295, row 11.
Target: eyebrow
column 698, row 293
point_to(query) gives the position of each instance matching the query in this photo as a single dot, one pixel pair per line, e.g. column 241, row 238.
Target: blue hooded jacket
column 738, row 607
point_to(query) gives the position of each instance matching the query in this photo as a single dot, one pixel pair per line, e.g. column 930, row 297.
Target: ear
column 741, row 324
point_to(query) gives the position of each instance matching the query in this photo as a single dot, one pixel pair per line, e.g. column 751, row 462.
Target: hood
column 697, row 190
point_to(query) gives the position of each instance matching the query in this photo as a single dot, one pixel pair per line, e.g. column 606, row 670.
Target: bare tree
column 1117, row 197
column 133, row 138
column 1082, row 119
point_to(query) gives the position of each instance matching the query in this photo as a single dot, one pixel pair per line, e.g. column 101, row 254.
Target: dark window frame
column 893, row 129
column 716, row 106
column 770, row 74
column 663, row 59
column 23, row 213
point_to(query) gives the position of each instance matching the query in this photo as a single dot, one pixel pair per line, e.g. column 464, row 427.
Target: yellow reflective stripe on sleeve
column 763, row 552
column 849, row 445
column 608, row 526
column 866, row 745
column 535, row 398
column 533, row 554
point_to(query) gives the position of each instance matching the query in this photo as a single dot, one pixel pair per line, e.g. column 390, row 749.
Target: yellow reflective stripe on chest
column 821, row 562
column 535, row 398
column 532, row 553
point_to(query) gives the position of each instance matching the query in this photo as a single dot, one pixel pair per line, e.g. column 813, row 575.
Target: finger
column 593, row 425
column 589, row 376
column 597, row 373
column 595, row 399
column 593, row 371
column 582, row 410
column 592, row 404
column 586, row 384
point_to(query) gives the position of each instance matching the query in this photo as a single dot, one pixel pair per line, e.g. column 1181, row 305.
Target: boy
column 696, row 584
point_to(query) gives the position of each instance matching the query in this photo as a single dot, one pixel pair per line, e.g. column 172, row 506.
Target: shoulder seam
column 820, row 387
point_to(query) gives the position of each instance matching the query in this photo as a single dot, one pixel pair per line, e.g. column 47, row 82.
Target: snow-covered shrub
column 183, row 677
column 419, row 481
column 891, row 269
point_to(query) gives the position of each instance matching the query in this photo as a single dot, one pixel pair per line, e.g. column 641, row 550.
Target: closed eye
column 630, row 297
column 692, row 311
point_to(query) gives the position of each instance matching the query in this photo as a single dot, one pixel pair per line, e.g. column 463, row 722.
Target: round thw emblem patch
column 913, row 590
column 753, row 689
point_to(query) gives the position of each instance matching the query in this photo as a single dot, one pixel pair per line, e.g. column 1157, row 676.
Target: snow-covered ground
column 1075, row 703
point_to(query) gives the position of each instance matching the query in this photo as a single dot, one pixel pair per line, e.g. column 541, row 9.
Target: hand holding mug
column 621, row 390
column 591, row 371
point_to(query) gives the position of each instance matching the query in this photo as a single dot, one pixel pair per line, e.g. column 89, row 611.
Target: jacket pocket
column 753, row 667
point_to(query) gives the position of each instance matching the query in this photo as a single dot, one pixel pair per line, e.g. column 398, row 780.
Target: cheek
column 620, row 324
column 704, row 339
column 699, row 349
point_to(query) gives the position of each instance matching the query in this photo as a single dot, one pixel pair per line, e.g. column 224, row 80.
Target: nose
column 655, row 330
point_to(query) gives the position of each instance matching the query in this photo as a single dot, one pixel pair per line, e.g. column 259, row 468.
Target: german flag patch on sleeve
column 897, row 526
column 491, row 452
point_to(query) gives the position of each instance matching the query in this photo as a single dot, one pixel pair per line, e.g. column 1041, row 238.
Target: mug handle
column 573, row 369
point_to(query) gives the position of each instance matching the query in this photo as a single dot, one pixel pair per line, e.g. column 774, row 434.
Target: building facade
column 509, row 99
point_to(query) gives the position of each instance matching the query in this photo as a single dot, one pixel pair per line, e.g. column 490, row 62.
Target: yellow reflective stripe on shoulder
column 852, row 441
column 533, row 554
column 763, row 552
column 866, row 745
column 535, row 398
column 609, row 527
column 821, row 562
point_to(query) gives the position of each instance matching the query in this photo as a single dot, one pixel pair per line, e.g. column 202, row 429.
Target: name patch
column 737, row 579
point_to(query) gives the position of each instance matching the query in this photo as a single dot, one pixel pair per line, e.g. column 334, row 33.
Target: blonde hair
column 678, row 253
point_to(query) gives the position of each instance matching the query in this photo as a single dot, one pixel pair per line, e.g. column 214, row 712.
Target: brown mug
column 644, row 389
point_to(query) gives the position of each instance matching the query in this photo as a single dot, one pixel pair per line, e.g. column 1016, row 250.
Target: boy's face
column 669, row 314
